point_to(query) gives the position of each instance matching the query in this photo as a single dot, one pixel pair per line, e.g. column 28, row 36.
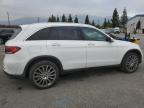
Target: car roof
column 54, row 24
column 28, row 30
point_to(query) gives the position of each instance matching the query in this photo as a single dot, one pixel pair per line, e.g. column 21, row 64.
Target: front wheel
column 130, row 62
column 44, row 74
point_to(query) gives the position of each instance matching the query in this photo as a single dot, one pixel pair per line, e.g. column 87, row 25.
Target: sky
column 44, row 8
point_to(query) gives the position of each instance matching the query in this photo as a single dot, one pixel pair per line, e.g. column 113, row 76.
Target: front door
column 100, row 52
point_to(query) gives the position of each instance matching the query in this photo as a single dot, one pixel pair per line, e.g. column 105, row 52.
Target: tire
column 44, row 74
column 130, row 62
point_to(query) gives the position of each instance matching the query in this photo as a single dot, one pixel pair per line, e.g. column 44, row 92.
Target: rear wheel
column 44, row 74
column 130, row 62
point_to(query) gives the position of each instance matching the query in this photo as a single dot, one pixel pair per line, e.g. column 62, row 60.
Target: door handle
column 91, row 44
column 55, row 44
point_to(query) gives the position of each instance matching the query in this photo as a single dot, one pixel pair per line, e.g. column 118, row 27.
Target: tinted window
column 68, row 33
column 6, row 32
column 56, row 33
column 40, row 35
column 93, row 34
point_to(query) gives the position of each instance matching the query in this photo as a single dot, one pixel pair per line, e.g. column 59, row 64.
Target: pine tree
column 76, row 20
column 93, row 23
column 87, row 20
column 115, row 19
column 64, row 18
column 124, row 18
column 70, row 18
column 49, row 19
column 109, row 23
column 57, row 20
column 53, row 18
column 105, row 23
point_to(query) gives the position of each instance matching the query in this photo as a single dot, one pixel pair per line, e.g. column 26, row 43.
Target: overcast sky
column 44, row 8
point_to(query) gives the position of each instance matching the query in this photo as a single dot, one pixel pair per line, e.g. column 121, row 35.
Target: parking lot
column 104, row 88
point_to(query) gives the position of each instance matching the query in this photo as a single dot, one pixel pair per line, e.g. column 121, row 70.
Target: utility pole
column 8, row 16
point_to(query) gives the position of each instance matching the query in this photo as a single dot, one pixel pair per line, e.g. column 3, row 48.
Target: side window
column 45, row 34
column 93, row 34
column 56, row 33
column 68, row 33
column 40, row 35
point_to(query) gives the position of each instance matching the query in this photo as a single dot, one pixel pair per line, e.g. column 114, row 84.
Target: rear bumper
column 11, row 76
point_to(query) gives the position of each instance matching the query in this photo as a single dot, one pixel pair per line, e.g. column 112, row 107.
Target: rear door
column 68, row 46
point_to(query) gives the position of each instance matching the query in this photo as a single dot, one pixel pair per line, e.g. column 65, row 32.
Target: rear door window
column 69, row 34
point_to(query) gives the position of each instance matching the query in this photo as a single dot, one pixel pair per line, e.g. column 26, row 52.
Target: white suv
column 43, row 51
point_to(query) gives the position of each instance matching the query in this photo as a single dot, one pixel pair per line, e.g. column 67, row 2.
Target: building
column 136, row 24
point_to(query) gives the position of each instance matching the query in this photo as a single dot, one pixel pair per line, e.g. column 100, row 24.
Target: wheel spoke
column 44, row 75
column 132, row 62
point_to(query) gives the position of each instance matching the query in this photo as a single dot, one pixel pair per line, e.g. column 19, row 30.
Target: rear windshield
column 16, row 32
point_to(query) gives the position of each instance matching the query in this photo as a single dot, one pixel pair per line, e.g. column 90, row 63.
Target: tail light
column 11, row 49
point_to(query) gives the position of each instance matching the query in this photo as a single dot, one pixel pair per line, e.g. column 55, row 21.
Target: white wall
column 131, row 25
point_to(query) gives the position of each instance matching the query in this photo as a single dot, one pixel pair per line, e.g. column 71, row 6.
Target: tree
column 76, row 20
column 109, row 23
column 93, row 23
column 124, row 18
column 49, row 19
column 105, row 23
column 70, row 18
column 52, row 18
column 64, row 19
column 115, row 19
column 57, row 20
column 87, row 20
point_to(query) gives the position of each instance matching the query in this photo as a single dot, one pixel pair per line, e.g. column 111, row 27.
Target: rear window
column 16, row 32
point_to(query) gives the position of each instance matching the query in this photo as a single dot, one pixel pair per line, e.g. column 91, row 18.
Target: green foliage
column 70, row 18
column 58, row 20
column 64, row 19
column 52, row 18
column 109, row 24
column 115, row 19
column 87, row 20
column 124, row 18
column 76, row 20
column 105, row 23
column 93, row 23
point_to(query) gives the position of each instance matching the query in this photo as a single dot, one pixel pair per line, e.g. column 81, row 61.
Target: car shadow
column 85, row 74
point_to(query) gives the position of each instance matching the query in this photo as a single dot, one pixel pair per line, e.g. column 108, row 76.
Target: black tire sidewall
column 123, row 64
column 39, row 64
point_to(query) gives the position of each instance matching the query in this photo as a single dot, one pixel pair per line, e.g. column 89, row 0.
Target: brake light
column 11, row 49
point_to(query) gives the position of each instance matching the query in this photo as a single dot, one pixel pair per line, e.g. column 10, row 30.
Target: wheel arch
column 40, row 58
column 134, row 51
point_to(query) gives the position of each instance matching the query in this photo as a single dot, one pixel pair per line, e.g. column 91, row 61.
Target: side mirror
column 109, row 39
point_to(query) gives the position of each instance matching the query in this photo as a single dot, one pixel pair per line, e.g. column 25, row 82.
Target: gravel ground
column 105, row 88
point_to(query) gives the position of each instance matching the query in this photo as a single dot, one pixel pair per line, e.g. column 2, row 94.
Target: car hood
column 126, row 43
